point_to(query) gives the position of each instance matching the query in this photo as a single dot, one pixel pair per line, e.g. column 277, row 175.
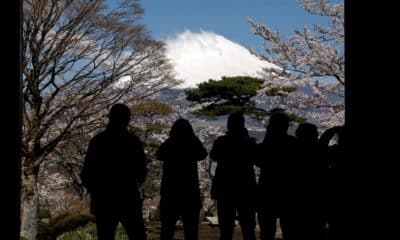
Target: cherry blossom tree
column 309, row 80
column 79, row 58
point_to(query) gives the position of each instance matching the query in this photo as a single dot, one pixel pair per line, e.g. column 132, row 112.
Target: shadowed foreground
column 88, row 232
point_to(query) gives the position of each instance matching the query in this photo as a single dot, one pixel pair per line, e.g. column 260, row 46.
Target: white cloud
column 198, row 57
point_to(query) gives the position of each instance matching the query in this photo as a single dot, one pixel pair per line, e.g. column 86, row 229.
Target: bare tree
column 310, row 61
column 79, row 58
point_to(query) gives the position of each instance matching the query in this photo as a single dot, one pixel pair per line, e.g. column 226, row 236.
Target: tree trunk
column 29, row 207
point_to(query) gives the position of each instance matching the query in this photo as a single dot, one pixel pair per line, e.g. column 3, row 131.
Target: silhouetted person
column 115, row 164
column 234, row 183
column 334, row 154
column 180, row 193
column 276, row 183
column 309, row 216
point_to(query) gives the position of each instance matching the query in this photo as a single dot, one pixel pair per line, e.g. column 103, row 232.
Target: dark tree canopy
column 230, row 94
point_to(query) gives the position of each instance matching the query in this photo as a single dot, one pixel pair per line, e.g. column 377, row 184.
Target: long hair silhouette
column 180, row 192
column 181, row 129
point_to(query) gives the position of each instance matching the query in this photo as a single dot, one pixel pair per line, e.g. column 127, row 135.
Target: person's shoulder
column 252, row 140
column 99, row 137
column 197, row 141
column 335, row 148
column 291, row 141
column 167, row 142
column 134, row 138
column 221, row 139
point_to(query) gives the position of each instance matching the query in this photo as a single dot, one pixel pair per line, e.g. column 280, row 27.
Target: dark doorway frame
column 13, row 84
column 11, row 117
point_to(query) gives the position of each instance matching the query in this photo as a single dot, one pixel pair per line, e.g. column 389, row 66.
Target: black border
column 360, row 76
column 11, row 100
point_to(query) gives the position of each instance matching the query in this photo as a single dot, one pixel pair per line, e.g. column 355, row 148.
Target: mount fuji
column 197, row 57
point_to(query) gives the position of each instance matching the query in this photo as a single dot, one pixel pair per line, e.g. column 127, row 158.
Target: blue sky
column 167, row 18
column 211, row 38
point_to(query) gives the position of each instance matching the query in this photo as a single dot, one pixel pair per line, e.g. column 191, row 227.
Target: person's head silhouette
column 181, row 129
column 235, row 122
column 119, row 116
column 278, row 123
column 307, row 133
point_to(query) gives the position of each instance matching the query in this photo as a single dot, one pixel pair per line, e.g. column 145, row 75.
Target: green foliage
column 277, row 90
column 296, row 118
column 43, row 213
column 148, row 130
column 236, row 90
column 218, row 110
column 156, row 127
column 157, row 215
column 70, row 221
column 152, row 185
column 151, row 108
column 260, row 113
column 121, row 234
column 61, row 224
column 229, row 95
column 146, row 113
column 224, row 109
column 88, row 232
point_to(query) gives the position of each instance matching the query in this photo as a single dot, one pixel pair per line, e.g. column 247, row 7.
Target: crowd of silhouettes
column 297, row 181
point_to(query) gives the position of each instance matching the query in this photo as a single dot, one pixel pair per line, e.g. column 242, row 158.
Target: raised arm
column 162, row 151
column 199, row 151
column 215, row 153
column 328, row 135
